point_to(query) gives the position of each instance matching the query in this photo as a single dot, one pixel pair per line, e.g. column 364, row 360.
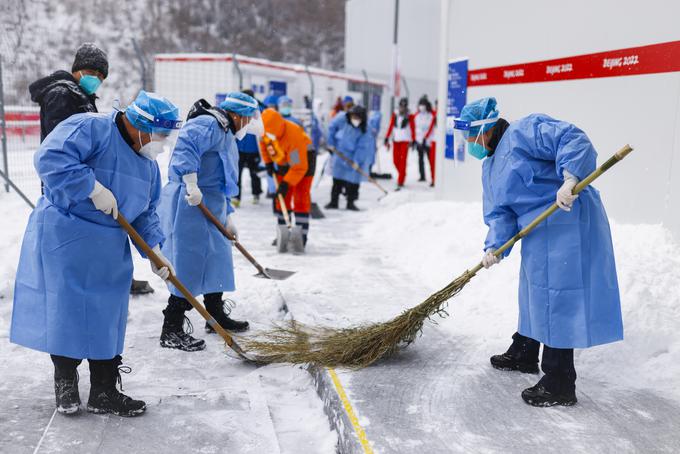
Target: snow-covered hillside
column 41, row 36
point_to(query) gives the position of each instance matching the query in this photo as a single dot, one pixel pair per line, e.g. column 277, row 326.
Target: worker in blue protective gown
column 203, row 168
column 354, row 140
column 568, row 290
column 285, row 108
column 73, row 279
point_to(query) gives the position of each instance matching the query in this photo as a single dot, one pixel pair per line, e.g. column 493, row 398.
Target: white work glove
column 489, row 259
column 104, row 200
column 165, row 271
column 565, row 199
column 194, row 194
column 231, row 228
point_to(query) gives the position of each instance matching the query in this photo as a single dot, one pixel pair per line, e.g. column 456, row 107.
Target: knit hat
column 90, row 56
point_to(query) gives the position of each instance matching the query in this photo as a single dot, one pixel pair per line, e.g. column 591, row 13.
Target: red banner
column 652, row 59
column 22, row 123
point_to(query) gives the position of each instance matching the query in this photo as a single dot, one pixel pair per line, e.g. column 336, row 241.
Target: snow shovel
column 265, row 273
column 359, row 346
column 323, row 170
column 359, row 170
column 288, row 233
column 228, row 339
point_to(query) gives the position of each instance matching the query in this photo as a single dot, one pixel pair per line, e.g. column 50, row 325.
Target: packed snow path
column 204, row 401
column 439, row 395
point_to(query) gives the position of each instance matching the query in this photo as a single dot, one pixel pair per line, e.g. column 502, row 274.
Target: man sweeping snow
column 568, row 292
column 203, row 168
column 73, row 279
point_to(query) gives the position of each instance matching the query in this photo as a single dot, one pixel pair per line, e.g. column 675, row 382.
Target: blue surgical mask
column 478, row 150
column 285, row 110
column 89, row 83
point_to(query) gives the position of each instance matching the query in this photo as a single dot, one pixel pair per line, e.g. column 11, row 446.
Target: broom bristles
column 353, row 347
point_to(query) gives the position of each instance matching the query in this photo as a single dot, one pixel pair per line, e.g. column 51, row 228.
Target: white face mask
column 356, row 122
column 153, row 148
column 256, row 127
column 241, row 133
column 422, row 108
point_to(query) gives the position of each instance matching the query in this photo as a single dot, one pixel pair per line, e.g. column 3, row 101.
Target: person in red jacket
column 432, row 134
column 424, row 121
column 402, row 132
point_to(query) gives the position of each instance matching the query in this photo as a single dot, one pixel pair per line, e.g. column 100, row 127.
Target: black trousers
column 423, row 155
column 557, row 363
column 252, row 162
column 64, row 367
column 351, row 190
column 177, row 304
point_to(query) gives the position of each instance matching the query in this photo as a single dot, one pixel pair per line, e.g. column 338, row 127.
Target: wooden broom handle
column 139, row 241
column 282, row 204
column 211, row 217
column 358, row 169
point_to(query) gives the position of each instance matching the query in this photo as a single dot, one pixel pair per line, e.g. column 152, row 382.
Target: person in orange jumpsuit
column 286, row 151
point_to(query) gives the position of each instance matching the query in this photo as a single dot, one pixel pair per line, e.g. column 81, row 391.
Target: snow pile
column 435, row 241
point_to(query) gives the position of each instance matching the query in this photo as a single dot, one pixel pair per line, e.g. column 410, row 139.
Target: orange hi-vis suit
column 291, row 152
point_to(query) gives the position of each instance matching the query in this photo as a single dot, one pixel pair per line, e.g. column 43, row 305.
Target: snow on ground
column 438, row 240
column 209, row 401
column 439, row 395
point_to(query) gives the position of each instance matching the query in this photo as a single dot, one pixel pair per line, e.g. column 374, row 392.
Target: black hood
column 40, row 87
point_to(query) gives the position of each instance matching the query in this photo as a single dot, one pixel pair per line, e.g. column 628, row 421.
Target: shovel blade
column 277, row 275
column 316, row 211
column 282, row 238
column 297, row 244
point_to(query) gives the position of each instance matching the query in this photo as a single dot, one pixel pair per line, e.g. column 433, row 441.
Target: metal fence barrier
column 19, row 139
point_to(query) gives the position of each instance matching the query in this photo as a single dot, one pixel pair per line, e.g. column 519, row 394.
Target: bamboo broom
column 360, row 346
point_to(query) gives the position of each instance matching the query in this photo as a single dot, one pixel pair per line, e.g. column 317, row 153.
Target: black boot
column 558, row 385
column 216, row 307
column 539, row 396
column 140, row 288
column 66, row 384
column 522, row 356
column 352, row 196
column 336, row 190
column 173, row 334
column 104, row 394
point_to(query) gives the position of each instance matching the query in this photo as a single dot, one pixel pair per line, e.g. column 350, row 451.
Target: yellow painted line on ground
column 350, row 412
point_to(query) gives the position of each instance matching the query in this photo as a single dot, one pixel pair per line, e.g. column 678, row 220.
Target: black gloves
column 283, row 189
column 387, row 141
column 270, row 168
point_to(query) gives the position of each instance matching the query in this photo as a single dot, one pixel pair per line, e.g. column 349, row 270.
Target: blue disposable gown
column 568, row 290
column 316, row 133
column 295, row 120
column 335, row 129
column 201, row 255
column 374, row 119
column 75, row 270
column 356, row 145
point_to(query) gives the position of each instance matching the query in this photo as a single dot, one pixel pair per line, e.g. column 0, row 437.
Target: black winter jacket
column 59, row 96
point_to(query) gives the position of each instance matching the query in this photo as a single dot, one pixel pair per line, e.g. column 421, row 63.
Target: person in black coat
column 62, row 94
